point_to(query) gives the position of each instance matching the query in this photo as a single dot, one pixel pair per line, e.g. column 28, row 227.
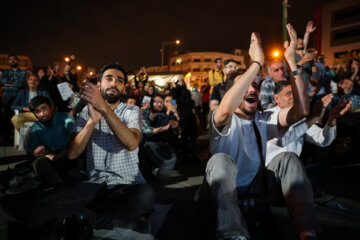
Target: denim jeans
column 285, row 174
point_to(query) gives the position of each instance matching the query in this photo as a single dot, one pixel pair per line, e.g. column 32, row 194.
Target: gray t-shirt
column 238, row 140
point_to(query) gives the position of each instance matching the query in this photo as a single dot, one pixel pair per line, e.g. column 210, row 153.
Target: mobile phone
column 173, row 102
column 93, row 80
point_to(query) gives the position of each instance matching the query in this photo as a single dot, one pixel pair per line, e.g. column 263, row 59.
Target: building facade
column 339, row 33
column 196, row 65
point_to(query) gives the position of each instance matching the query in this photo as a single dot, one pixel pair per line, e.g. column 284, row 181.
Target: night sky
column 131, row 31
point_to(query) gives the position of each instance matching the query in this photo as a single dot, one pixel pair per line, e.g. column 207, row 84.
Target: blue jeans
column 285, row 174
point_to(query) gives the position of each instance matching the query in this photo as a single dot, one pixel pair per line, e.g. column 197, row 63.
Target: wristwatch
column 296, row 72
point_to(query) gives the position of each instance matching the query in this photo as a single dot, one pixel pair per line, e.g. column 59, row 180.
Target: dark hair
column 153, row 99
column 227, row 61
column 126, row 98
column 112, row 66
column 168, row 95
column 217, row 59
column 345, row 78
column 230, row 80
column 37, row 101
column 280, row 85
column 27, row 78
column 13, row 55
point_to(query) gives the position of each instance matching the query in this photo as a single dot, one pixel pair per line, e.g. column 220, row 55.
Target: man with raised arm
column 238, row 136
column 110, row 133
column 306, row 129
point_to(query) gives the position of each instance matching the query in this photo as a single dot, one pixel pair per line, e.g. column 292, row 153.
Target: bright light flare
column 78, row 67
column 177, row 42
column 67, row 59
column 276, row 53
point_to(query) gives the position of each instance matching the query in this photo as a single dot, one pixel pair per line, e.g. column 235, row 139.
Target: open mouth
column 251, row 99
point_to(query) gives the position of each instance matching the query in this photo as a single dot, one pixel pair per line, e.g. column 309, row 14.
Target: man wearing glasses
column 218, row 92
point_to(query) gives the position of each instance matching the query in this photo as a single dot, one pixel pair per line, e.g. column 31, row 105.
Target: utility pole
column 285, row 17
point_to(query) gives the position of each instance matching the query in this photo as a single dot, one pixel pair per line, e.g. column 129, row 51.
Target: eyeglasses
column 158, row 101
column 231, row 67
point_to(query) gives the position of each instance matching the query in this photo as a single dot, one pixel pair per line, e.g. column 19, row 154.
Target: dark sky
column 131, row 31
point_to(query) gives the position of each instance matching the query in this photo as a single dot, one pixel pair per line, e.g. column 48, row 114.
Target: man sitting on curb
column 49, row 137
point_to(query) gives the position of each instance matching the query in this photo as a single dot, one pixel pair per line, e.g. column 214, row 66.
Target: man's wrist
column 292, row 65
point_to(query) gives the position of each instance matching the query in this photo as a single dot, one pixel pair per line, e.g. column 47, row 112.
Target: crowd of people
column 129, row 132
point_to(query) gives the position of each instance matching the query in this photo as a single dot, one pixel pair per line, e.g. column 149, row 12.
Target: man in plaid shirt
column 12, row 81
column 110, row 132
column 276, row 74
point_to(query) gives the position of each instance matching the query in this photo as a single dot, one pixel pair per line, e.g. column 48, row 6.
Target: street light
column 163, row 44
column 78, row 67
column 67, row 59
column 276, row 53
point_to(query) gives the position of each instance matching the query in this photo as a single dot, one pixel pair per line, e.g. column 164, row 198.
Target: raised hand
column 310, row 27
column 255, row 51
column 290, row 48
column 94, row 115
column 91, row 93
column 320, row 107
column 340, row 109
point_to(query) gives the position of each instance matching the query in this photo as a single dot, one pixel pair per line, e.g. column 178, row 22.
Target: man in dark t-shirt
column 218, row 92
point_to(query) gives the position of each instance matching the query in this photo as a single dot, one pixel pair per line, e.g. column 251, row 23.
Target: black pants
column 104, row 208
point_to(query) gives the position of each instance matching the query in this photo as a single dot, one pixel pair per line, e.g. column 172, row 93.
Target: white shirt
column 32, row 95
column 293, row 139
column 238, row 140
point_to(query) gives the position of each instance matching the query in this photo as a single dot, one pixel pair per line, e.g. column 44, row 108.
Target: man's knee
column 286, row 160
column 220, row 166
column 16, row 121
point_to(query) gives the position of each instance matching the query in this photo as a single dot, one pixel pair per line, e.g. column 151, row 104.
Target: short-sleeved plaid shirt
column 107, row 159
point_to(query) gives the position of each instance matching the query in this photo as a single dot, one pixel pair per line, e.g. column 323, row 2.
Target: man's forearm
column 301, row 99
column 128, row 138
column 235, row 95
column 78, row 143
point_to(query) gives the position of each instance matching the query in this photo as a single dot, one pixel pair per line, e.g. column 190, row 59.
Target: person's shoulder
column 123, row 108
column 37, row 126
column 266, row 115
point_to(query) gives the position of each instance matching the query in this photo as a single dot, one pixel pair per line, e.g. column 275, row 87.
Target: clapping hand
column 290, row 48
column 255, row 51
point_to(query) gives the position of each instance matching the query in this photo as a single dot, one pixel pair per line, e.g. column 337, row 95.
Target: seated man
column 48, row 141
column 161, row 132
column 109, row 131
column 276, row 73
column 345, row 89
column 22, row 101
column 238, row 136
column 306, row 129
column 349, row 124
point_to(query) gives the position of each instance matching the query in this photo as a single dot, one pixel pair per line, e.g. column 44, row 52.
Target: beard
column 248, row 112
column 13, row 65
column 111, row 98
